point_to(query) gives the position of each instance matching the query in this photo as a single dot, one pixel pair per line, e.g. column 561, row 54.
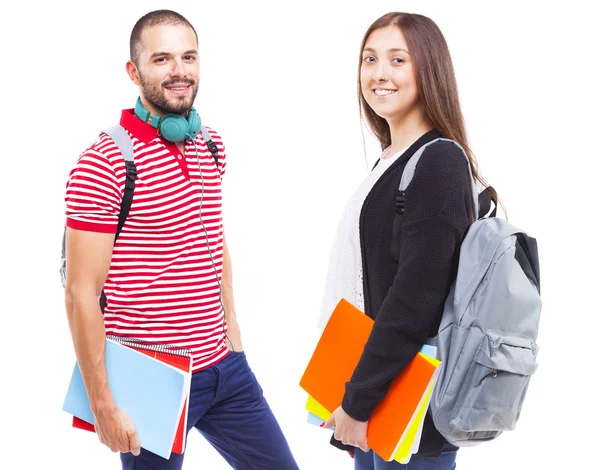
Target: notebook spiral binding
column 146, row 345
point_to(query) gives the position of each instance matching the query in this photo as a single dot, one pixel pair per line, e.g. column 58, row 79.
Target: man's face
column 168, row 68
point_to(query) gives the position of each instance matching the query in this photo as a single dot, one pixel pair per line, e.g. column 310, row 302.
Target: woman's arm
column 437, row 215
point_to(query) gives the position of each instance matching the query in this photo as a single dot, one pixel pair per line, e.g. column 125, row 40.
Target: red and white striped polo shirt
column 161, row 285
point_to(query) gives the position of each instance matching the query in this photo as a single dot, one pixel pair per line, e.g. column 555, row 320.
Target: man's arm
column 233, row 329
column 88, row 262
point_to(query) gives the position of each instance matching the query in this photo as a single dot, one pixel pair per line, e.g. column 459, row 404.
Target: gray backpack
column 487, row 337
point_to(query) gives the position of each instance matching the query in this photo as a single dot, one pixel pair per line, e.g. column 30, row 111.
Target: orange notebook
column 333, row 362
column 180, row 361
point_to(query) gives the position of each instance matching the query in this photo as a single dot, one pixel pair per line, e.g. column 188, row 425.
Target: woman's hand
column 348, row 430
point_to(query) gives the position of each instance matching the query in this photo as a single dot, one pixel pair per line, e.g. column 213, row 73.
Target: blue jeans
column 228, row 408
column 371, row 461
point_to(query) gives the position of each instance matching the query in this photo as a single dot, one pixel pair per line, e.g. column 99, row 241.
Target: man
column 168, row 278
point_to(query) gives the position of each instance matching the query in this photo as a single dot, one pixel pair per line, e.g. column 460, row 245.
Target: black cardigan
column 406, row 299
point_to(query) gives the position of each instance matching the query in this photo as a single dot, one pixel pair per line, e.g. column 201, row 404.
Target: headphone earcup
column 173, row 127
column 194, row 122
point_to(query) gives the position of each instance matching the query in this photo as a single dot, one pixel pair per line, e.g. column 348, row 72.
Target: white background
column 278, row 81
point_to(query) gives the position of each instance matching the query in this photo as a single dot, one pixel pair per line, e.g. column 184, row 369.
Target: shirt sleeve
column 93, row 194
column 437, row 215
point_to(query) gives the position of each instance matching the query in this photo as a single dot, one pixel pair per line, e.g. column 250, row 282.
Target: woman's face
column 387, row 76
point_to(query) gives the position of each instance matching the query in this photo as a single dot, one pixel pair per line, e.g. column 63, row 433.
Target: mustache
column 179, row 81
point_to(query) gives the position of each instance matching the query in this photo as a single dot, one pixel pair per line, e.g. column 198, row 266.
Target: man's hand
column 115, row 429
column 348, row 430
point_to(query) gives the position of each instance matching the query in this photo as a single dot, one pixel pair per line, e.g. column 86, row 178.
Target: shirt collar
column 139, row 129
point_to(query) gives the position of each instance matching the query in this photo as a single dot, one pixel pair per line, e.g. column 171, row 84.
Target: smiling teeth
column 384, row 92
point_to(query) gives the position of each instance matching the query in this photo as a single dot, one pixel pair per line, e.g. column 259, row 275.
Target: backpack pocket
column 493, row 392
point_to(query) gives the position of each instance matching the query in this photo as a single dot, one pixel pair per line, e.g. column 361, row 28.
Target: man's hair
column 154, row 18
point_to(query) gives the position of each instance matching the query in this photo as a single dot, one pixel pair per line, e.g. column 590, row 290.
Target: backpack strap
column 407, row 176
column 122, row 140
column 211, row 145
column 485, row 203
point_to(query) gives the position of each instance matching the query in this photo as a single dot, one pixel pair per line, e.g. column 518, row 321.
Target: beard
column 155, row 94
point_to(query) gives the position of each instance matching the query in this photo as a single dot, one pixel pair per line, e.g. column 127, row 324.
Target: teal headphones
column 172, row 127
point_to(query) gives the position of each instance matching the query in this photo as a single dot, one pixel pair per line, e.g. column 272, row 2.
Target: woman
column 408, row 97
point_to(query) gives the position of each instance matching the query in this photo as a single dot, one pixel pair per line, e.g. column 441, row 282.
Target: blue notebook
column 151, row 392
column 313, row 419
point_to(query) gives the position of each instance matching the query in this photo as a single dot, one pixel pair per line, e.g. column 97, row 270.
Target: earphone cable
column 207, row 242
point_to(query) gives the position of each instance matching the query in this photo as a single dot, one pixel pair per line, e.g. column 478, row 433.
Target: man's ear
column 133, row 73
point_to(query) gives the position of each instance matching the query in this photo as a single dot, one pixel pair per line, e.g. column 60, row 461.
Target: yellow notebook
column 410, row 444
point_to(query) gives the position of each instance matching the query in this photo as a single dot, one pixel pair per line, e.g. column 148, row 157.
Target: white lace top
column 344, row 275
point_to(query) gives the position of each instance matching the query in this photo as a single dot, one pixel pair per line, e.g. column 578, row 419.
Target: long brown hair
column 436, row 83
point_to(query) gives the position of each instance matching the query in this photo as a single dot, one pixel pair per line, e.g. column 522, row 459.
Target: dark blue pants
column 371, row 461
column 228, row 408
